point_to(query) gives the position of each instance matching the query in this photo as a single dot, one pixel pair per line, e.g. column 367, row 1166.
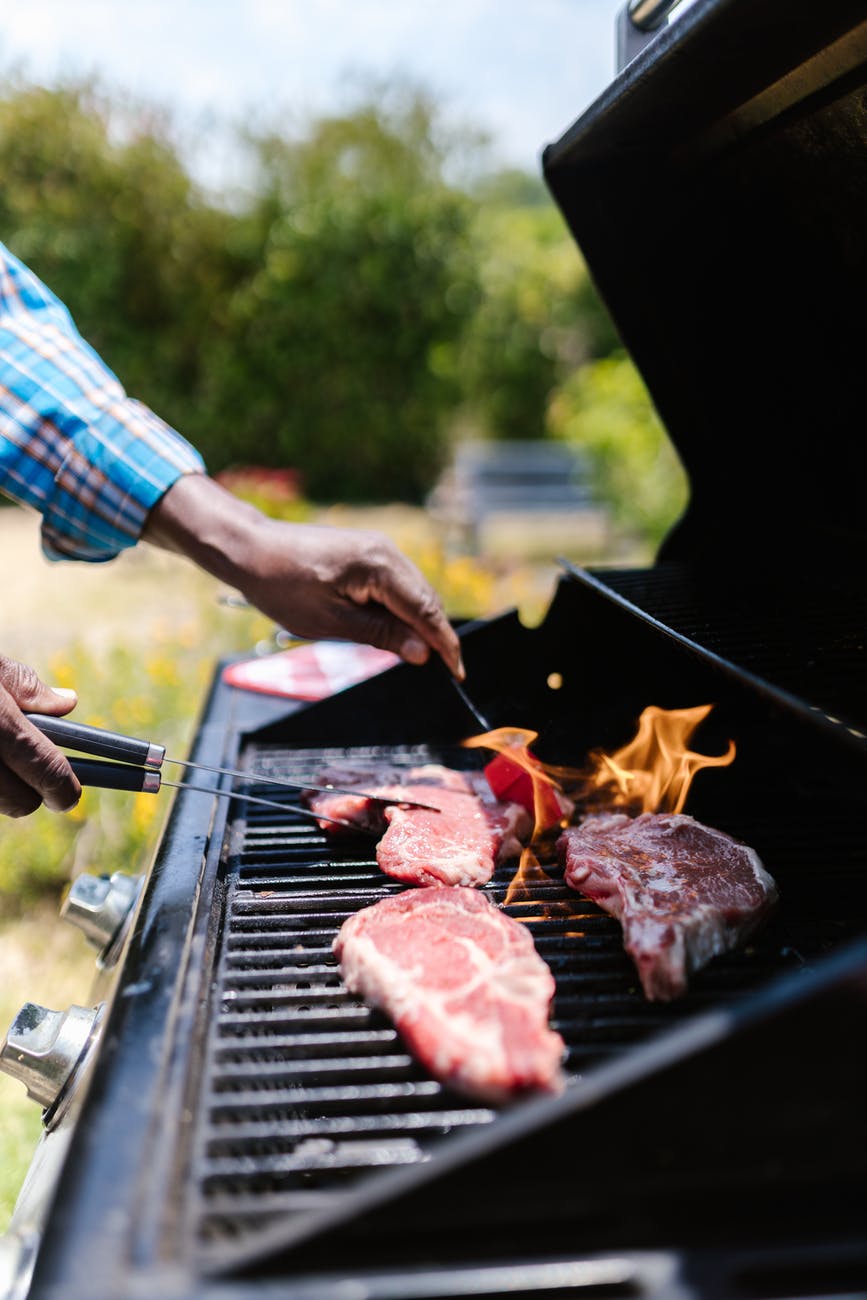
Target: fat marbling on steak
column 459, row 844
column 682, row 891
column 464, row 985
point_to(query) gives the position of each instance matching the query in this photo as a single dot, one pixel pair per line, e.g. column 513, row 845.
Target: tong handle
column 115, row 776
column 98, row 741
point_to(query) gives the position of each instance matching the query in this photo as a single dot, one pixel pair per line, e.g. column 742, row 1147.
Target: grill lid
column 718, row 191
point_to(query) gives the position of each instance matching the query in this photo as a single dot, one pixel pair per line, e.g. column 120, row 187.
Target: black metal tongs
column 135, row 765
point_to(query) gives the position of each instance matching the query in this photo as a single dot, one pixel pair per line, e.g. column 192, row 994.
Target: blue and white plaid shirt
column 92, row 460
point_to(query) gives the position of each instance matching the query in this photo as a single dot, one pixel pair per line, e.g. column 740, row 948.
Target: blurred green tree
column 539, row 316
column 96, row 200
column 333, row 355
column 344, row 318
column 605, row 409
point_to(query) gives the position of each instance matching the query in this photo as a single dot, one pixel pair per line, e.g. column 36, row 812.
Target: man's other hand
column 32, row 770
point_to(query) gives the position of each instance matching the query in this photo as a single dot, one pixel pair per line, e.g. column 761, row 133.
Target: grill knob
column 45, row 1049
column 99, row 906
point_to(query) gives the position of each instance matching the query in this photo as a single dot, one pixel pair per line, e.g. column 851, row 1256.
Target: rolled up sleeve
column 73, row 445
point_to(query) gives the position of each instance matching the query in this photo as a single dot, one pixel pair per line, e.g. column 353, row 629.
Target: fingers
column 17, row 799
column 32, row 770
column 419, row 624
column 372, row 624
column 323, row 581
column 30, row 693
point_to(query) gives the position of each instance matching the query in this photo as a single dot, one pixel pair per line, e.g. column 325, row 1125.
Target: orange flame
column 654, row 772
column 515, row 743
column 528, row 875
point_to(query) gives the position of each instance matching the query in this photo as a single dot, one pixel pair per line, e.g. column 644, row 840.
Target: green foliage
column 538, row 317
column 20, row 1130
column 306, row 328
column 345, row 318
column 604, row 408
column 330, row 358
column 97, row 202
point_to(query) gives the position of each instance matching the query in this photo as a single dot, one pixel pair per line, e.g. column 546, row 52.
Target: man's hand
column 32, row 770
column 316, row 581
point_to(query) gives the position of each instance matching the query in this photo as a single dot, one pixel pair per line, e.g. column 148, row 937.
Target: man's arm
column 103, row 470
column 73, row 445
column 318, row 581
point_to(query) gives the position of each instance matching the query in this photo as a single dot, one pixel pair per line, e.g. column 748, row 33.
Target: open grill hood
column 718, row 192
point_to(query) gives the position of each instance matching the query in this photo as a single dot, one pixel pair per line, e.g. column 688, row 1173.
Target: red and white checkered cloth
column 310, row 672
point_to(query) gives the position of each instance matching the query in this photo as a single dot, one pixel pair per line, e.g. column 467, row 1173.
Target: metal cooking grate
column 306, row 1089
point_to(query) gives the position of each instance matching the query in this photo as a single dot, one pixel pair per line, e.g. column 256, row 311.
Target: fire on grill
column 684, row 892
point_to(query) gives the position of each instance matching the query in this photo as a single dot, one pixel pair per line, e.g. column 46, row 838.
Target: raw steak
column 683, row 892
column 380, row 779
column 459, row 845
column 462, row 983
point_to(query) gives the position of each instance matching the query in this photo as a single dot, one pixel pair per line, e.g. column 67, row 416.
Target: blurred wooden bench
column 534, row 495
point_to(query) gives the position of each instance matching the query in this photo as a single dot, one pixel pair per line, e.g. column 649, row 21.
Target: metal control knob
column 45, row 1049
column 99, row 906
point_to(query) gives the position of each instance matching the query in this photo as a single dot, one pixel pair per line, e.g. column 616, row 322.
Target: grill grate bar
column 227, row 1209
column 263, row 945
column 352, row 1096
column 275, row 1131
column 264, row 1073
column 306, row 1045
column 327, row 1018
column 332, row 992
column 318, row 1156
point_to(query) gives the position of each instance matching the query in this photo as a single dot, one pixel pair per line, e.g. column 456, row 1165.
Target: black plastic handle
column 98, row 741
column 115, row 776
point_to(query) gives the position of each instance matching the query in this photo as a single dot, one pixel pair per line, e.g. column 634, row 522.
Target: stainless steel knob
column 99, row 907
column 45, row 1049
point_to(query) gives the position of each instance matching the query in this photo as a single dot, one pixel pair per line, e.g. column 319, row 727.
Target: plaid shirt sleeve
column 72, row 444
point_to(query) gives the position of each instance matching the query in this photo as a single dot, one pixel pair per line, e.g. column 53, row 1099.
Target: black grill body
column 251, row 1125
column 251, row 1129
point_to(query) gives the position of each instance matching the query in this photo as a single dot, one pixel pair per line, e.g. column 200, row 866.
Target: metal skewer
column 271, row 803
column 142, row 780
column 129, row 749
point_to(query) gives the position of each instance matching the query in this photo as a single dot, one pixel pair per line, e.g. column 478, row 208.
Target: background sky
column 522, row 70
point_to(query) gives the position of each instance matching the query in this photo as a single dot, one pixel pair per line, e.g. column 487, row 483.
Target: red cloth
column 310, row 672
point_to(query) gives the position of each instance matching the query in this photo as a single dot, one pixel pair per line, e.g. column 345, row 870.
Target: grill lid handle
column 637, row 23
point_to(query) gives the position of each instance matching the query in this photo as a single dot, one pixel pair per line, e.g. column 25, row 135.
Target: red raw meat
column 458, row 845
column 383, row 779
column 464, row 985
column 683, row 892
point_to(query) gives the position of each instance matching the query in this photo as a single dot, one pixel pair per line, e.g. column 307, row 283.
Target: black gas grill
column 251, row 1129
